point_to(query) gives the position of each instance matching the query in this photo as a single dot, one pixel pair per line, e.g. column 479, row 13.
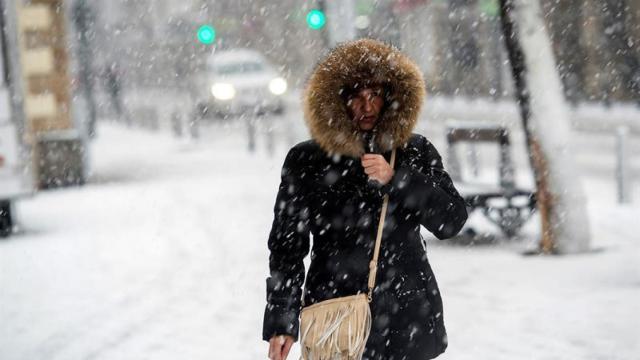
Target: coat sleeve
column 428, row 191
column 288, row 244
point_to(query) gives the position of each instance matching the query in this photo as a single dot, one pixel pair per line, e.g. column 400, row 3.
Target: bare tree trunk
column 545, row 120
column 465, row 50
column 566, row 23
column 622, row 47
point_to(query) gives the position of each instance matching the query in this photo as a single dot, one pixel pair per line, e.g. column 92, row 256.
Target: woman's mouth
column 368, row 119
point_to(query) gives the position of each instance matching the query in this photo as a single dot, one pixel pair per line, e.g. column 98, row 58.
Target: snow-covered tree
column 561, row 199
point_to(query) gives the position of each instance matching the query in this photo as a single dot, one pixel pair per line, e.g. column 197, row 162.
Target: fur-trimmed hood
column 353, row 64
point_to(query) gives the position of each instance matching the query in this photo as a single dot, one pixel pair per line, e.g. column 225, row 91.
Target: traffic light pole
column 4, row 55
column 341, row 17
column 83, row 19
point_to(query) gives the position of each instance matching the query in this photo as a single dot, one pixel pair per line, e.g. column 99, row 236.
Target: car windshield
column 238, row 68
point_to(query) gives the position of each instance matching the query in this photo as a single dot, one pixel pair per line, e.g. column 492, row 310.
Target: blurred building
column 42, row 91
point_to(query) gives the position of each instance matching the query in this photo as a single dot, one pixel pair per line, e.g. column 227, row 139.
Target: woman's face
column 365, row 105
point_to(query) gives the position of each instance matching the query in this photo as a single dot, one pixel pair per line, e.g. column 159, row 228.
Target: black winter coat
column 328, row 196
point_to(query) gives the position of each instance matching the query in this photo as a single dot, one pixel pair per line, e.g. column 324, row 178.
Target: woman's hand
column 377, row 168
column 279, row 346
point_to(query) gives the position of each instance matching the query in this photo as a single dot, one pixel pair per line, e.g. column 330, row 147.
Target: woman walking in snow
column 361, row 102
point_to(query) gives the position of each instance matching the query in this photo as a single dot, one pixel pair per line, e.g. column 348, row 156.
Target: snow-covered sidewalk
column 163, row 256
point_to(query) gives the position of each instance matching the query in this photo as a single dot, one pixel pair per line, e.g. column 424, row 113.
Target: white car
column 241, row 81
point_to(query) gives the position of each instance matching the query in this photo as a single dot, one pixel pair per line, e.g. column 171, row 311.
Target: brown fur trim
column 353, row 64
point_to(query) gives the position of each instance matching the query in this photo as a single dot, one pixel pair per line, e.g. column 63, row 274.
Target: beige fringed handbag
column 338, row 329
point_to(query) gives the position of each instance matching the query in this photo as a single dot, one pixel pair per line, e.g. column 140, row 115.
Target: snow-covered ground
column 163, row 256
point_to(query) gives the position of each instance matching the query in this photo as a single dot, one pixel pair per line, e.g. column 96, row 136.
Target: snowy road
column 163, row 256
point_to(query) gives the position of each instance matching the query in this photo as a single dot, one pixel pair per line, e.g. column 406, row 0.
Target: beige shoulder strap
column 373, row 265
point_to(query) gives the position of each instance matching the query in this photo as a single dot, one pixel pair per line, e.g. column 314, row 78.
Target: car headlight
column 278, row 86
column 222, row 91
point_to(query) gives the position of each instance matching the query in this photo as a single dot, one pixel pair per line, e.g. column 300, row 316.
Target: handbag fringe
column 338, row 328
column 331, row 325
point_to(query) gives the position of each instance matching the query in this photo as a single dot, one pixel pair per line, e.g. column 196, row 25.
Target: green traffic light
column 316, row 19
column 206, row 34
column 490, row 7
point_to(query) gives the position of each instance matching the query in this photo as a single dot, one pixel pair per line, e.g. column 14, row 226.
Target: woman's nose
column 368, row 105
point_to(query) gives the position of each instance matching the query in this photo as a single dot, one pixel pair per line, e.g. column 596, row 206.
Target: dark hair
column 347, row 92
